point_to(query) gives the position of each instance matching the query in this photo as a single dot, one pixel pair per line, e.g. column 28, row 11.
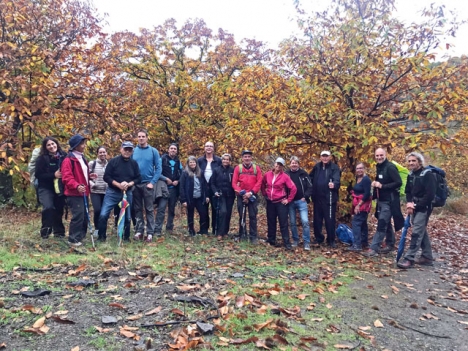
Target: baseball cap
column 281, row 160
column 246, row 152
column 127, row 144
column 325, row 152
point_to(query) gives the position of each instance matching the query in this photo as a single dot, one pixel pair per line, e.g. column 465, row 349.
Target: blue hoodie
column 149, row 162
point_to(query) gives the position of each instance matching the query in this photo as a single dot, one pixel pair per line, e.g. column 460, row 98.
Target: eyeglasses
column 128, row 149
column 209, row 146
column 359, row 168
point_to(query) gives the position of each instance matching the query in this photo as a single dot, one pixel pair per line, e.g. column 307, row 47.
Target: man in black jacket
column 171, row 172
column 420, row 191
column 303, row 184
column 386, row 190
column 122, row 173
column 208, row 163
column 325, row 177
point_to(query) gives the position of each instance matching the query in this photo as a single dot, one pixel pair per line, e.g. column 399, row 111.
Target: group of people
column 151, row 181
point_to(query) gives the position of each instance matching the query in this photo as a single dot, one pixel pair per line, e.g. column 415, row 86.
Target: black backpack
column 442, row 191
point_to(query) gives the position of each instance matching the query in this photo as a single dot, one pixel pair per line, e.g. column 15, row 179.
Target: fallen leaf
column 118, row 305
column 154, row 311
column 395, row 289
column 62, row 320
column 61, row 313
column 365, row 328
column 329, row 305
column 260, row 326
column 134, row 317
column 344, row 346
column 39, row 323
column 76, row 348
column 179, row 312
column 384, row 297
column 463, row 322
column 378, row 324
column 302, row 296
column 127, row 333
column 103, row 330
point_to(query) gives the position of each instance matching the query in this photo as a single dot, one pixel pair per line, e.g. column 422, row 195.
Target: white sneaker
column 78, row 244
column 138, row 236
column 96, row 233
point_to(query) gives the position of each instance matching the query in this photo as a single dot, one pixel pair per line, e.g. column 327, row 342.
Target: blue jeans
column 300, row 206
column 112, row 198
column 360, row 229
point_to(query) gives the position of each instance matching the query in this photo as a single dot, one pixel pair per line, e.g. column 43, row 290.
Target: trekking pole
column 244, row 214
column 90, row 226
column 331, row 200
column 218, row 199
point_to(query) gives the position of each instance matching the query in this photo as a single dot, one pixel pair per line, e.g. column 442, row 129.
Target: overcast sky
column 267, row 20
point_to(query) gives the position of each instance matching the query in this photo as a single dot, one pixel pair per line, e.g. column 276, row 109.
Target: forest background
column 355, row 79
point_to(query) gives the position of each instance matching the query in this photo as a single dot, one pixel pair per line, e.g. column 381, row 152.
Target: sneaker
column 354, row 248
column 96, row 233
column 307, row 247
column 149, row 238
column 370, row 253
column 423, row 261
column 288, row 247
column 138, row 236
column 295, row 243
column 387, row 249
column 405, row 264
column 77, row 244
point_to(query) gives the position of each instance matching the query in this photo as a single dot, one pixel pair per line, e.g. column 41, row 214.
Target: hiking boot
column 423, row 261
column 295, row 243
column 149, row 238
column 405, row 264
column 192, row 232
column 254, row 241
column 271, row 242
column 307, row 247
column 332, row 245
column 138, row 237
column 370, row 253
column 158, row 234
column 354, row 248
column 317, row 243
column 288, row 247
column 77, row 244
column 387, row 249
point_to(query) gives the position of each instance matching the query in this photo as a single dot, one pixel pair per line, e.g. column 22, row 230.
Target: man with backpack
column 149, row 162
column 386, row 190
column 420, row 192
column 171, row 172
column 246, row 182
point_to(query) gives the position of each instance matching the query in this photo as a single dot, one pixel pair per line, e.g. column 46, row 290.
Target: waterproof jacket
column 73, row 176
column 221, row 180
column 46, row 166
column 277, row 187
column 187, row 185
column 303, row 184
column 98, row 185
column 247, row 180
column 329, row 171
column 421, row 189
column 387, row 174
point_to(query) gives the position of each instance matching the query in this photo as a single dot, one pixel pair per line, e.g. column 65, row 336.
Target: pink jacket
column 274, row 189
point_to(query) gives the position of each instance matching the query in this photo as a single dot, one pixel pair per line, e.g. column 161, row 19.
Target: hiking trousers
column 384, row 227
column 419, row 236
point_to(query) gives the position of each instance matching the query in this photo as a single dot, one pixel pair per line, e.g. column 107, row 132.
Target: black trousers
column 276, row 211
column 52, row 212
column 324, row 212
column 223, row 206
column 252, row 208
column 79, row 221
column 198, row 204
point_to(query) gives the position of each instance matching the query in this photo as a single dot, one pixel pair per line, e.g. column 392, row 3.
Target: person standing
column 208, row 164
column 121, row 175
column 47, row 171
column 303, row 185
column 147, row 158
column 98, row 185
column 171, row 172
column 420, row 191
column 361, row 206
column 194, row 195
column 325, row 177
column 246, row 182
column 221, row 187
column 75, row 177
column 278, row 190
column 386, row 190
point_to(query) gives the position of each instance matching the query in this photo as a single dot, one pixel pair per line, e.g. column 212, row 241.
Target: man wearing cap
column 75, row 178
column 246, row 182
column 279, row 190
column 122, row 174
column 149, row 162
column 325, row 178
column 208, row 164
column 303, row 184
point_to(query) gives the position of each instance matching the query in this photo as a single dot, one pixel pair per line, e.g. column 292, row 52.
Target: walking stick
column 218, row 199
column 244, row 214
column 90, row 226
column 331, row 180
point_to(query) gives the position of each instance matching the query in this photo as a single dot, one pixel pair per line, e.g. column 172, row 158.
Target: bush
column 457, row 205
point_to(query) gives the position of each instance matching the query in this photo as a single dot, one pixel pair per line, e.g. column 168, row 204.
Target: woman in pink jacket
column 279, row 190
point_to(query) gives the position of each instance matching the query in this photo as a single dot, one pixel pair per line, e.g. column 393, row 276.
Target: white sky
column 267, row 20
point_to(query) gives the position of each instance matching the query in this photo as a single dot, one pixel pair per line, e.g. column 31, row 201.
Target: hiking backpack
column 345, row 234
column 442, row 191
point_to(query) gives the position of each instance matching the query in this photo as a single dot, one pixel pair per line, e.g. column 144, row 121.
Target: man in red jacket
column 75, row 178
column 246, row 182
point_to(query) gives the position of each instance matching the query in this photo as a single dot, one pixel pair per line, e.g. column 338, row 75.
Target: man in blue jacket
column 149, row 162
